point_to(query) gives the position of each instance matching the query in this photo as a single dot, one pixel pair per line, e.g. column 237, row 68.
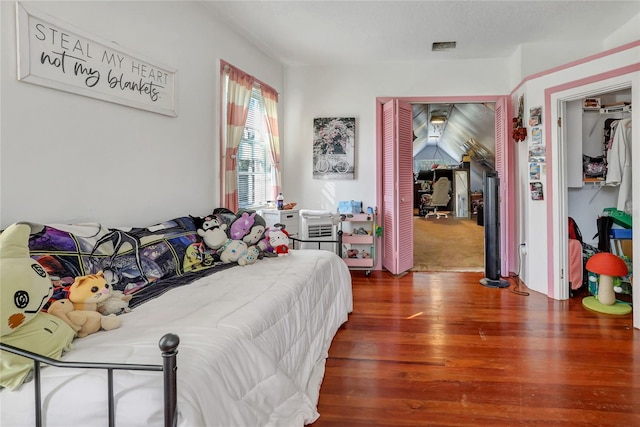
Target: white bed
column 253, row 344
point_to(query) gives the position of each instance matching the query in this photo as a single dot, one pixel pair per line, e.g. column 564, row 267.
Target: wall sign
column 58, row 55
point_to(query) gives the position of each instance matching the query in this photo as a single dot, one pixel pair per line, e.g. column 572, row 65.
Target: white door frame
column 556, row 99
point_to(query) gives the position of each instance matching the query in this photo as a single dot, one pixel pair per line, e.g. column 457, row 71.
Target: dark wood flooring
column 439, row 349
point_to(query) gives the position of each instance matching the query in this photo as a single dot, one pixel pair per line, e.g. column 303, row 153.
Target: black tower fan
column 491, row 213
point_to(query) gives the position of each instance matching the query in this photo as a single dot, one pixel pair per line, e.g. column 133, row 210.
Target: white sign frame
column 61, row 56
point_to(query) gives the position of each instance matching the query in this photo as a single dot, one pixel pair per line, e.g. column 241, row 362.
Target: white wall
column 351, row 91
column 68, row 158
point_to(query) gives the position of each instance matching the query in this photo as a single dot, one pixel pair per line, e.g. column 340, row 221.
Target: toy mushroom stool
column 608, row 266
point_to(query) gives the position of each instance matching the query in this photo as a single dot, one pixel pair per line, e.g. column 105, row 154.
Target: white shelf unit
column 353, row 228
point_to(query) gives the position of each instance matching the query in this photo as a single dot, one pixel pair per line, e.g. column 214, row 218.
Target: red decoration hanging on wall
column 519, row 131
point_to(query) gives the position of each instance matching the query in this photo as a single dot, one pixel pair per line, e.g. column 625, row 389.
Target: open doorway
column 455, row 143
column 395, row 195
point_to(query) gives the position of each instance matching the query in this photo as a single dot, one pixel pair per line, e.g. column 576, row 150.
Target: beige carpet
column 447, row 244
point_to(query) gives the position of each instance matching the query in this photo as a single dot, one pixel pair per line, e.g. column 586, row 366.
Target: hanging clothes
column 619, row 163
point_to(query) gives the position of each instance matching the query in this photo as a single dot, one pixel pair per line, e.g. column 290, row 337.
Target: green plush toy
column 24, row 288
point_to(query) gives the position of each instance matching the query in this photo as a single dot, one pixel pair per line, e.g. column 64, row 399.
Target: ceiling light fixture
column 436, row 46
column 438, row 119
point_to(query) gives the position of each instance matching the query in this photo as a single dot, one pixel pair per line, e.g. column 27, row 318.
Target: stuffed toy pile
column 242, row 237
column 24, row 288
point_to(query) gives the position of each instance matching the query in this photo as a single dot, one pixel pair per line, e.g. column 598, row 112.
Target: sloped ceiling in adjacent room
column 456, row 129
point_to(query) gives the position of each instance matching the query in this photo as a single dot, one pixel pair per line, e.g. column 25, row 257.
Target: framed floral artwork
column 334, row 147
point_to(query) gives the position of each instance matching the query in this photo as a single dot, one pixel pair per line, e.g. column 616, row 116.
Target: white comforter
column 253, row 344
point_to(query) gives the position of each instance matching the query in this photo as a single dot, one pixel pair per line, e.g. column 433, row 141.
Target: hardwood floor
column 439, row 349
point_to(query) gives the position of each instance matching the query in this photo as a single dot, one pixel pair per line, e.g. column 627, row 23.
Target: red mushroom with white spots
column 608, row 266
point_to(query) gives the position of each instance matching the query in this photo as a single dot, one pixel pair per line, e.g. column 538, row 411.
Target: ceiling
column 339, row 32
column 308, row 32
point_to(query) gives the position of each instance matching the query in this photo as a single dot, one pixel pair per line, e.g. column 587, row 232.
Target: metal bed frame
column 298, row 242
column 168, row 345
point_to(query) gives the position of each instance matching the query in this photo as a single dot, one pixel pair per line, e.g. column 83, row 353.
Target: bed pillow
column 132, row 259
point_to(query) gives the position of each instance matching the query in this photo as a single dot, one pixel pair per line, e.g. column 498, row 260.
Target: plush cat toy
column 276, row 242
column 86, row 293
column 24, row 288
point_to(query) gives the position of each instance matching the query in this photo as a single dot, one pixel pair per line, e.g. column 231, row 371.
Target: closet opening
column 595, row 194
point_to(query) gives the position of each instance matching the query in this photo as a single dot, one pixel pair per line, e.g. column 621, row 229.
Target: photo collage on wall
column 537, row 154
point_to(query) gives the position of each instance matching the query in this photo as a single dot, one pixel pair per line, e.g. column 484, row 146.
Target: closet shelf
column 593, row 181
column 611, row 109
column 624, row 107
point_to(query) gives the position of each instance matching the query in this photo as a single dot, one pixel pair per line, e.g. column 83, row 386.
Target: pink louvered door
column 397, row 186
column 501, row 165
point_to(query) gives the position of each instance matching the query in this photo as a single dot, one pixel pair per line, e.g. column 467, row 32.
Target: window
column 253, row 158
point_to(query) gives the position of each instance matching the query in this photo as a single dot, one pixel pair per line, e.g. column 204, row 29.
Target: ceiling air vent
column 443, row 46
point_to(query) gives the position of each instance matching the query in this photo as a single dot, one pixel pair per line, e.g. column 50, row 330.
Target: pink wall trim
column 547, row 113
column 578, row 62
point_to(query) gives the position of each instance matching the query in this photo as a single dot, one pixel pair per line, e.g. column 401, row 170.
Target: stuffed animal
column 24, row 288
column 242, row 225
column 265, row 243
column 225, row 216
column 84, row 322
column 353, row 253
column 253, row 232
column 61, row 309
column 254, row 235
column 238, row 251
column 212, row 229
column 85, row 293
column 250, row 257
column 279, row 241
column 232, row 250
column 117, row 303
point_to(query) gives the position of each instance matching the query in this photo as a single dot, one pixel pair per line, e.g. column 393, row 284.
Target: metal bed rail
column 168, row 344
column 299, row 242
